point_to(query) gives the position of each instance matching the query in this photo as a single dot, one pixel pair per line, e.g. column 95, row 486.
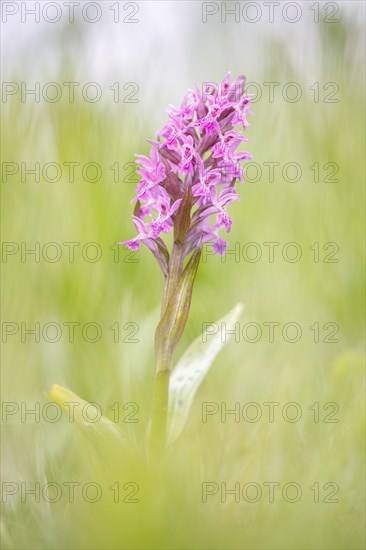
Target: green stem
column 175, row 309
column 160, row 412
column 159, row 423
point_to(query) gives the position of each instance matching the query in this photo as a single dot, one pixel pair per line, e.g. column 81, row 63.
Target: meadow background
column 168, row 50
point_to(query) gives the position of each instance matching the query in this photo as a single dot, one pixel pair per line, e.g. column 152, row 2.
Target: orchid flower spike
column 188, row 181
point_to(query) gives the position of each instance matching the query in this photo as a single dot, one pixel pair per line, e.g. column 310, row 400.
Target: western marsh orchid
column 188, row 180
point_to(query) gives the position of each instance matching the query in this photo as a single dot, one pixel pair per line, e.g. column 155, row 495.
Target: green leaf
column 190, row 371
column 171, row 326
column 82, row 413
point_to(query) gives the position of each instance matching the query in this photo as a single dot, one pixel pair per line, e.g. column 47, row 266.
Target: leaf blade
column 190, row 372
column 103, row 428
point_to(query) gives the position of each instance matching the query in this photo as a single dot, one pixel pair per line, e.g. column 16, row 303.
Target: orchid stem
column 158, row 434
column 161, row 393
column 160, row 412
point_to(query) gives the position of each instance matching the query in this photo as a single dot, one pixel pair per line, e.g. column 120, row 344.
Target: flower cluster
column 195, row 154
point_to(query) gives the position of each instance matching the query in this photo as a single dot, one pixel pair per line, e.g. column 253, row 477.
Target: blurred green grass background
column 170, row 513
